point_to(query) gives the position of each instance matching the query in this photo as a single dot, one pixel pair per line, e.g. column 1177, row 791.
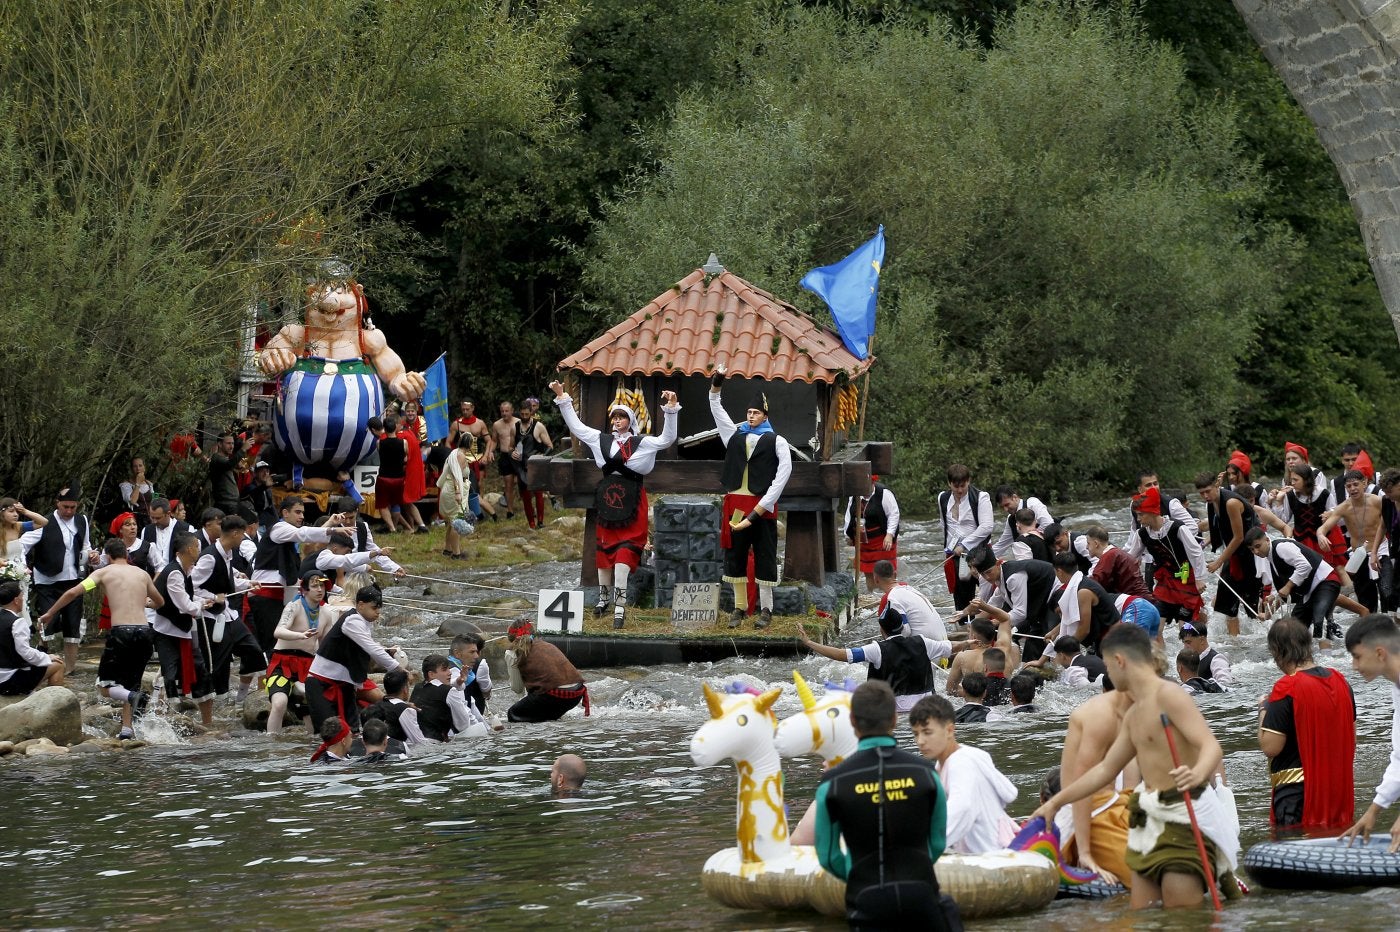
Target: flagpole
column 870, row 347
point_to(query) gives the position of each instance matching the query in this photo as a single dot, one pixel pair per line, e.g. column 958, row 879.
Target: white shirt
column 356, row 628
column 978, row 795
column 936, row 650
column 1069, row 605
column 1322, row 493
column 283, row 533
column 1186, row 533
column 203, row 571
column 888, row 504
column 727, row 427
column 72, row 566
column 920, row 617
column 19, row 630
column 181, row 601
column 970, row 527
column 380, row 560
column 1304, row 577
column 408, row 721
column 1389, row 790
column 1043, row 519
column 158, row 554
column 643, row 459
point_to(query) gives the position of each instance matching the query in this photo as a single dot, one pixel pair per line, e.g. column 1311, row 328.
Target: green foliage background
column 1113, row 238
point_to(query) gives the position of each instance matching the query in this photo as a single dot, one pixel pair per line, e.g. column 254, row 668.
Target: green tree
column 1074, row 271
column 166, row 167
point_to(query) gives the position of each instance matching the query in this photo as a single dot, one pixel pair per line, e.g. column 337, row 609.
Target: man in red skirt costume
column 1180, row 575
column 875, row 518
column 621, row 503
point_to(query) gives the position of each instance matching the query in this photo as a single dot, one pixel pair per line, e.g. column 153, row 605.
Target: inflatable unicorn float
column 764, row 870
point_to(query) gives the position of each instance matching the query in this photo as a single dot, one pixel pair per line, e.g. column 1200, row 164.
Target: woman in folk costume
column 625, row 457
column 1303, row 501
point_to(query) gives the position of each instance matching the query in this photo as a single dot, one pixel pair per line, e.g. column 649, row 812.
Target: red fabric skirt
column 873, row 552
column 1169, row 589
column 624, row 545
column 294, row 666
column 1336, row 554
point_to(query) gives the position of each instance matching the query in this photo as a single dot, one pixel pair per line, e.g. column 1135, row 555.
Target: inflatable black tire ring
column 1323, row 864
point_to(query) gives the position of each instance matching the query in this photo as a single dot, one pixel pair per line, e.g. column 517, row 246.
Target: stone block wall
column 1341, row 61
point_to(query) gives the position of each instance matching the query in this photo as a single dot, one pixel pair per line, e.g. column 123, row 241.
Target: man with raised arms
column 1374, row 645
column 1162, row 852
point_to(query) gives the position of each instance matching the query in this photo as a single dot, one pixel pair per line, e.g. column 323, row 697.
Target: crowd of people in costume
column 1038, row 599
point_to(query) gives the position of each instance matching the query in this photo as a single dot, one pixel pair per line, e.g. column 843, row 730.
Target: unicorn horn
column 713, row 701
column 804, row 692
column 765, row 702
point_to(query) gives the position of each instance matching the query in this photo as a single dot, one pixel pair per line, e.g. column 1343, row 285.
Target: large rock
column 452, row 627
column 53, row 712
column 255, row 709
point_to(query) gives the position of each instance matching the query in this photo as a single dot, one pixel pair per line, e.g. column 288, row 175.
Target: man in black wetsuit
column 891, row 809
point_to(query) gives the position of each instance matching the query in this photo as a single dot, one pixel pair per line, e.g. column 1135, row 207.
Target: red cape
column 413, row 479
column 1324, row 717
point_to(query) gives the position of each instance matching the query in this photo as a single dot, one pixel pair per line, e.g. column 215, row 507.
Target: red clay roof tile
column 698, row 324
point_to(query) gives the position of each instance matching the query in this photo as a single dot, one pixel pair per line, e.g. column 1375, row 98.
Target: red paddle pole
column 1191, row 814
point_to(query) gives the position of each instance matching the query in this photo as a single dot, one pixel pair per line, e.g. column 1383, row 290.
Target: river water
column 241, row 831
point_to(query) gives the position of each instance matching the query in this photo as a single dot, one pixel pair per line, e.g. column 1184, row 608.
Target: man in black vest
column 1087, row 611
column 22, row 668
column 396, row 711
column 875, row 517
column 1010, row 502
column 277, row 564
column 220, row 574
column 1229, row 519
column 183, row 665
column 905, row 661
column 343, row 660
column 889, row 807
column 432, row 698
column 61, row 554
column 757, row 466
column 967, row 524
column 1301, row 574
column 158, row 537
column 1022, row 595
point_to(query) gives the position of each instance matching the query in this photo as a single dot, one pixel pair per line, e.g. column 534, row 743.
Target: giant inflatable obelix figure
column 330, row 370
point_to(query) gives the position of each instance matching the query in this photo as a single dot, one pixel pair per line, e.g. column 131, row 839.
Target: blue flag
column 435, row 399
column 849, row 288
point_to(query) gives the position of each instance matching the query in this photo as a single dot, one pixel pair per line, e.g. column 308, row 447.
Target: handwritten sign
column 695, row 604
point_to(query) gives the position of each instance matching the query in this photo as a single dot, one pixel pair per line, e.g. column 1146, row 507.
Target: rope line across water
column 460, row 582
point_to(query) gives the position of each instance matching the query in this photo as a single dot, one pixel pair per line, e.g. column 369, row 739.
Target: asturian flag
column 850, row 288
column 435, row 399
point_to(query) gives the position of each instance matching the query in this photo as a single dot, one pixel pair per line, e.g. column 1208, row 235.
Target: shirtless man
column 1161, row 872
column 1100, row 822
column 981, row 635
column 1361, row 510
column 130, row 643
column 503, row 433
column 469, row 423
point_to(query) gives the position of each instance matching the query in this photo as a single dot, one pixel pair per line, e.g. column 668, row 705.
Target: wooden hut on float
column 713, row 317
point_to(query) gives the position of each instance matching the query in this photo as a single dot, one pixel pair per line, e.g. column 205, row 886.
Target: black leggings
column 329, row 700
column 1317, row 607
column 541, row 707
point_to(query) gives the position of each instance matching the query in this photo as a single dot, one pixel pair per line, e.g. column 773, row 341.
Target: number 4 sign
column 561, row 610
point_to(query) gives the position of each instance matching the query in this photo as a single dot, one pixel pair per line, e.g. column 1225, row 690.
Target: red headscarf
column 1240, row 461
column 1148, row 503
column 1364, row 465
column 520, row 629
column 1291, row 447
column 326, row 745
column 118, row 521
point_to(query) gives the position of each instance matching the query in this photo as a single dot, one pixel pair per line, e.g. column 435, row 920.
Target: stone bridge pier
column 1341, row 61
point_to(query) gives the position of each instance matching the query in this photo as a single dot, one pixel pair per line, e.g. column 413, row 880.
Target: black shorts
column 182, row 659
column 69, row 619
column 762, row 538
column 23, row 681
column 1229, row 591
column 124, row 659
column 505, row 466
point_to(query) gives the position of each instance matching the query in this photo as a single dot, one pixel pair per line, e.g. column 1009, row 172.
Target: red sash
column 1168, row 588
column 1324, row 719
